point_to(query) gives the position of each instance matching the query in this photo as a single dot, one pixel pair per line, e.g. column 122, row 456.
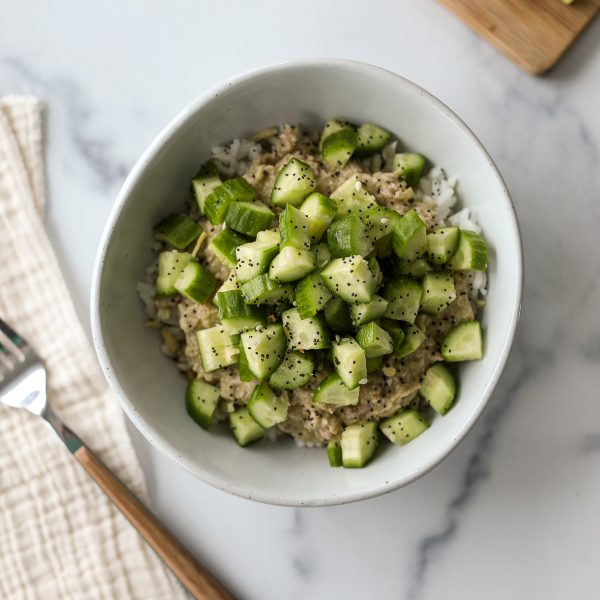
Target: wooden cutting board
column 532, row 33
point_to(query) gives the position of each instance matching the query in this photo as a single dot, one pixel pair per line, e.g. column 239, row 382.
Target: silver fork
column 23, row 385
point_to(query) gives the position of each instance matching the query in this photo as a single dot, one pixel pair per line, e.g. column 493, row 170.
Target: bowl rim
column 163, row 444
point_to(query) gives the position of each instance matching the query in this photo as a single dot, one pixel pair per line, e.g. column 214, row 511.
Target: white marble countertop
column 513, row 512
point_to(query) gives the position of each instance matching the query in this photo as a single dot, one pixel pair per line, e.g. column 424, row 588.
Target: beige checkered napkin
column 59, row 535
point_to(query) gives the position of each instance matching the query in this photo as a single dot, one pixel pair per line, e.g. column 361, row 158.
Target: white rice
column 234, row 158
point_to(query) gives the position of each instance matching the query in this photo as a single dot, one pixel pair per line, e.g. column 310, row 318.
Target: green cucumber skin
column 244, row 428
column 374, row 340
column 263, row 290
column 471, row 253
column 170, row 266
column 371, row 139
column 338, row 147
column 224, row 246
column 294, row 228
column 337, row 315
column 178, row 230
column 441, row 244
column 349, row 361
column 404, row 427
column 410, row 167
column 320, row 212
column 217, row 202
column 334, row 453
column 333, row 391
column 346, row 237
column 362, row 314
column 438, row 388
column 363, row 434
column 293, row 183
column 201, row 401
column 311, row 295
column 196, row 283
column 249, row 218
column 409, row 236
column 266, row 408
column 205, row 182
column 413, row 340
column 243, row 368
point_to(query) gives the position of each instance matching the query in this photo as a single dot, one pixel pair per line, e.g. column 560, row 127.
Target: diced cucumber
column 333, row 391
column 249, row 217
column 178, row 230
column 374, row 364
column 346, row 237
column 264, row 350
column 334, row 452
column 217, row 202
column 266, row 408
column 294, row 182
column 231, row 283
column 201, row 400
column 262, row 290
column 351, row 196
column 217, row 348
column 320, row 212
column 404, row 298
column 349, row 361
column 418, row 268
column 243, row 369
column 403, row 427
column 338, row 147
column 322, row 254
column 413, row 339
column 224, row 246
column 350, row 278
column 331, row 127
column 254, row 258
column 295, row 371
column 311, row 295
column 245, row 429
column 292, row 264
column 409, row 167
column 463, row 342
column 471, row 253
column 337, row 316
column 379, row 222
column 359, row 442
column 196, row 282
column 170, row 266
column 236, row 314
column 294, row 228
column 409, row 236
column 371, row 139
column 441, row 244
column 304, row 334
column 383, row 246
column 438, row 292
column 438, row 388
column 375, row 271
column 206, row 180
column 374, row 340
column 361, row 314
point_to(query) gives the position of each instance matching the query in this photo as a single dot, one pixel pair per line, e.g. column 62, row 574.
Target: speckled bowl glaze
column 148, row 386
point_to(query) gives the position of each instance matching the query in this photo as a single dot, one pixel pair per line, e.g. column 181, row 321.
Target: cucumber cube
column 304, row 334
column 170, row 266
column 338, row 147
column 249, row 218
column 438, row 292
column 403, row 427
column 204, row 183
column 178, row 230
column 331, row 127
column 337, row 316
column 322, row 254
column 410, row 167
column 374, row 340
column 374, row 364
column 346, row 237
column 441, row 244
column 418, row 268
column 351, row 279
column 350, row 362
column 361, row 314
column 254, row 258
column 320, row 212
column 217, row 348
column 264, row 350
column 463, row 342
column 245, row 429
column 266, row 408
column 292, row 264
column 404, row 298
column 224, row 246
column 295, row 371
column 311, row 295
column 294, row 182
column 294, row 228
column 237, row 315
column 359, row 442
column 334, row 452
column 201, row 401
column 352, row 197
column 217, row 202
column 471, row 253
column 409, row 236
column 413, row 339
column 333, row 391
column 379, row 222
column 438, row 388
column 196, row 283
column 262, row 290
column 371, row 139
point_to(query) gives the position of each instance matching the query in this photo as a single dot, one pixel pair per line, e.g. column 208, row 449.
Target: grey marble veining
column 512, row 513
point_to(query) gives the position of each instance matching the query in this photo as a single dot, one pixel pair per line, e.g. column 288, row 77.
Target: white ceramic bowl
column 151, row 390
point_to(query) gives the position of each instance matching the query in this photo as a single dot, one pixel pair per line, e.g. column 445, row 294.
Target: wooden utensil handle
column 199, row 583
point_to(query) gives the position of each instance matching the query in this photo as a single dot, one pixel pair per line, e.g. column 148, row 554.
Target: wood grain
column 199, row 583
column 532, row 33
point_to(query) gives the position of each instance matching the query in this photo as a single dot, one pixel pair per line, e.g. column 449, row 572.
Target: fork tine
column 11, row 342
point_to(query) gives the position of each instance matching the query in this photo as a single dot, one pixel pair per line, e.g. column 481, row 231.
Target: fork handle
column 197, row 581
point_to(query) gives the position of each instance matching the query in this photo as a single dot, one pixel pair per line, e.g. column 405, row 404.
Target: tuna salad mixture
column 319, row 284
